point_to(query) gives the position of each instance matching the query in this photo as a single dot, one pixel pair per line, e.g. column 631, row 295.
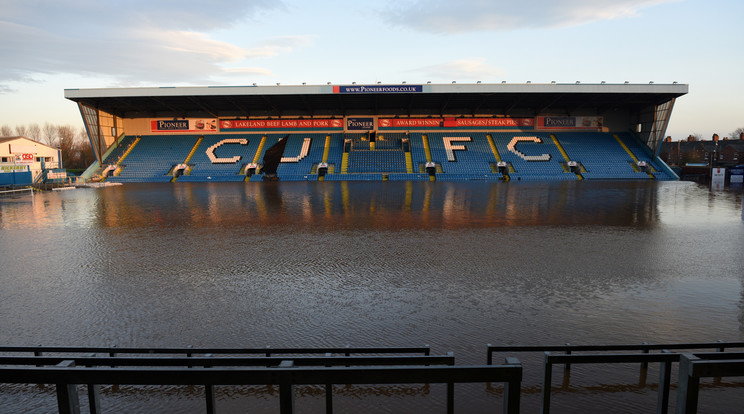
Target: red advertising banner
column 452, row 122
column 409, row 122
column 489, row 122
column 254, row 124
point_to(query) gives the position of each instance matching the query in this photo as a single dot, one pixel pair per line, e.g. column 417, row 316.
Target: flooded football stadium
column 456, row 266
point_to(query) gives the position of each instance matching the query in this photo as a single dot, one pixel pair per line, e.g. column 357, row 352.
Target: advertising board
column 183, row 125
column 246, row 125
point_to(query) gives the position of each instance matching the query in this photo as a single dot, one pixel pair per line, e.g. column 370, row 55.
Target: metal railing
column 16, row 191
column 694, row 366
column 607, row 354
column 568, row 348
column 190, row 351
column 666, row 359
column 323, row 368
column 287, row 367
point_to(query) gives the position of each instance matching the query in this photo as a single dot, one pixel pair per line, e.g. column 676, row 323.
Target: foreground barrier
column 719, row 346
column 67, row 372
column 693, row 367
column 666, row 359
column 697, row 365
column 287, row 367
column 15, row 191
column 190, row 351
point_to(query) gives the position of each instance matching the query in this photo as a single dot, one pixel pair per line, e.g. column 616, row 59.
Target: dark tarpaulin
column 273, row 156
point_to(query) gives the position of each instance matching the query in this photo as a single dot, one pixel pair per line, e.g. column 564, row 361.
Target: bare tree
column 34, row 132
column 736, row 134
column 6, row 131
column 21, row 130
column 49, row 134
column 85, row 156
column 82, row 136
column 66, row 135
column 76, row 151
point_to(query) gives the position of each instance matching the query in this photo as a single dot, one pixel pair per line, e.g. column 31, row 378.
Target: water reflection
column 454, row 265
column 334, row 205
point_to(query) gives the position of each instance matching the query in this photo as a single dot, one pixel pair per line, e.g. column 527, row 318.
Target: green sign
column 13, row 168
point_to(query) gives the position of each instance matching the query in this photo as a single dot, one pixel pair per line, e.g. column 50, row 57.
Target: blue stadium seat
column 459, row 156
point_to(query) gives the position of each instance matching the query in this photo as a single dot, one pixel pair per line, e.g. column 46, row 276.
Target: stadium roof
column 403, row 99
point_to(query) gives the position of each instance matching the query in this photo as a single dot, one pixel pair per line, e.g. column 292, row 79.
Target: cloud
column 191, row 15
column 133, row 41
column 249, row 71
column 444, row 16
column 465, row 69
column 278, row 45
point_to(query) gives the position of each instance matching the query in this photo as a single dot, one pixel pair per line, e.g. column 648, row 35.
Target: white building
column 21, row 151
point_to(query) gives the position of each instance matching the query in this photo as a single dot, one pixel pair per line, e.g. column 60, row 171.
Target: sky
column 47, row 46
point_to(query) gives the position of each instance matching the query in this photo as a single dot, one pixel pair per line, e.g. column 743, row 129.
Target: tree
column 6, row 131
column 736, row 134
column 49, row 134
column 34, row 132
column 85, row 155
column 66, row 135
column 21, row 130
column 76, row 151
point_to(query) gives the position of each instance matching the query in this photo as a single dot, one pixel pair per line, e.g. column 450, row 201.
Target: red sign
column 409, row 122
column 248, row 124
column 489, row 122
column 24, row 159
column 455, row 122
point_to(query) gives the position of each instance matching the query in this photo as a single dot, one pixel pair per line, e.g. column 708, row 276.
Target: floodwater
column 452, row 265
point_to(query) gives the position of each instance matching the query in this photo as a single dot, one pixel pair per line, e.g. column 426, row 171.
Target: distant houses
column 723, row 153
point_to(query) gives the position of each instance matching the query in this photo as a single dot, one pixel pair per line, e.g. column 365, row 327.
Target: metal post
column 210, row 399
column 38, row 353
column 329, row 392
column 209, row 394
column 489, row 356
column 547, row 381
column 688, row 386
column 112, row 354
column 643, row 375
column 189, row 354
column 286, row 391
column 450, row 398
column 717, row 380
column 512, row 391
column 567, row 370
column 450, row 390
column 644, row 365
column 665, row 373
column 67, row 396
column 94, row 399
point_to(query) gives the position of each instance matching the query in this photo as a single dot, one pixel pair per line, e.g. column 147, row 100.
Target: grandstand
column 490, row 132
